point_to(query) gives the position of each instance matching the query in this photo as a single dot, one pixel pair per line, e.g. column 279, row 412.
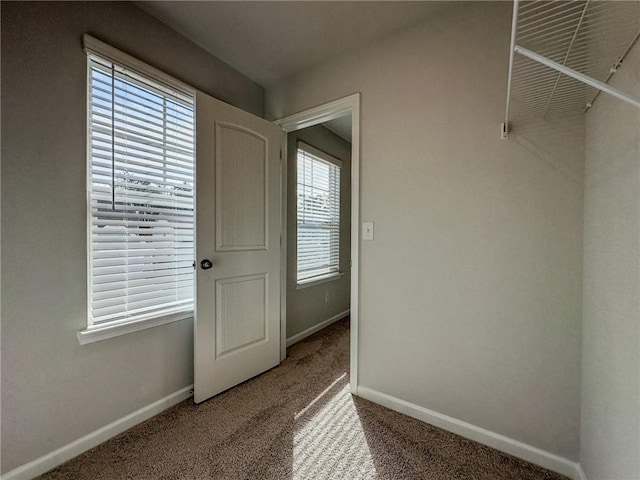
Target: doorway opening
column 319, row 258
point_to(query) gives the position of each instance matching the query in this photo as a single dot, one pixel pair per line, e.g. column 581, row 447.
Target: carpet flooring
column 296, row 421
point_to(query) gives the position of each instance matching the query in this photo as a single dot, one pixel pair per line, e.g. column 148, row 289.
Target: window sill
column 312, row 282
column 98, row 333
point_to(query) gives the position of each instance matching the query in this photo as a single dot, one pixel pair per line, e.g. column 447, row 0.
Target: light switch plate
column 367, row 230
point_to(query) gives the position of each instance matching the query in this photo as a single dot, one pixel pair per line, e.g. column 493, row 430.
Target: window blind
column 318, row 213
column 141, row 196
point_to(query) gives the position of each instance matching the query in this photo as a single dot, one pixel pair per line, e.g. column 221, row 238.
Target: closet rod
column 614, row 69
column 577, row 75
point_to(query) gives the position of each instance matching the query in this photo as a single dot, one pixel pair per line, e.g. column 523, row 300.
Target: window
column 318, row 212
column 141, row 198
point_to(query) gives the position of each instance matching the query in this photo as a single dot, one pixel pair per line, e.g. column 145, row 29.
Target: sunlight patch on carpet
column 329, row 441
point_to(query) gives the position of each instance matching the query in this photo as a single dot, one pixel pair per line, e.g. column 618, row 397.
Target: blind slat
column 104, row 287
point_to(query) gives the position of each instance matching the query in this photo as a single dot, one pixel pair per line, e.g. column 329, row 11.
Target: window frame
column 96, row 49
column 326, row 158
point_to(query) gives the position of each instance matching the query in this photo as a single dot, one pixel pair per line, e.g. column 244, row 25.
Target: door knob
column 206, row 264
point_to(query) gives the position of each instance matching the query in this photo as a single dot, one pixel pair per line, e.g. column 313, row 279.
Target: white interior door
column 237, row 319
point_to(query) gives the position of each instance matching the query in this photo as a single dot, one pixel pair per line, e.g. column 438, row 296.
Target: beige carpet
column 297, row 421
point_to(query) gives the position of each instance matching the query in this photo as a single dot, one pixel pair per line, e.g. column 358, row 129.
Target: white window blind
column 141, row 196
column 318, row 212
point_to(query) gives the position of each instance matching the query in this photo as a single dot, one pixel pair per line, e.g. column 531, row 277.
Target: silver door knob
column 206, row 264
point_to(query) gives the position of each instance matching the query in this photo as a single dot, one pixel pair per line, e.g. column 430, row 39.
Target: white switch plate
column 367, row 230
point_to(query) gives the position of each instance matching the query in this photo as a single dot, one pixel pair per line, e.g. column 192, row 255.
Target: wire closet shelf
column 563, row 54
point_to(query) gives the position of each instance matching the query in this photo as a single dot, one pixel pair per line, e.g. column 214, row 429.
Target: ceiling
column 341, row 126
column 270, row 40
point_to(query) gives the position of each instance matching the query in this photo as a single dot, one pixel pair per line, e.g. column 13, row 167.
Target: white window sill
column 98, row 333
column 312, row 282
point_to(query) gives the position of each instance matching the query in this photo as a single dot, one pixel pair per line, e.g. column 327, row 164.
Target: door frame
column 308, row 118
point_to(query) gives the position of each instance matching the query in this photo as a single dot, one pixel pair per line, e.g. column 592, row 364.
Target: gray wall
column 610, row 421
column 306, row 307
column 471, row 293
column 53, row 389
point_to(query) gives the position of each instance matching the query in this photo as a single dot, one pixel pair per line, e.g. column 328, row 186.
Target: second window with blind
column 318, row 215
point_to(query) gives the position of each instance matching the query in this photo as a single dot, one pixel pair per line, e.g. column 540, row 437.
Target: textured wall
column 471, row 293
column 307, row 307
column 53, row 389
column 610, row 420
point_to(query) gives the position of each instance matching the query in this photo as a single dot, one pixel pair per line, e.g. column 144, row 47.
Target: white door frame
column 297, row 121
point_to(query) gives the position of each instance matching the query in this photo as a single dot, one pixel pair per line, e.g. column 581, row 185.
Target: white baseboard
column 508, row 445
column 81, row 445
column 581, row 474
column 316, row 328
